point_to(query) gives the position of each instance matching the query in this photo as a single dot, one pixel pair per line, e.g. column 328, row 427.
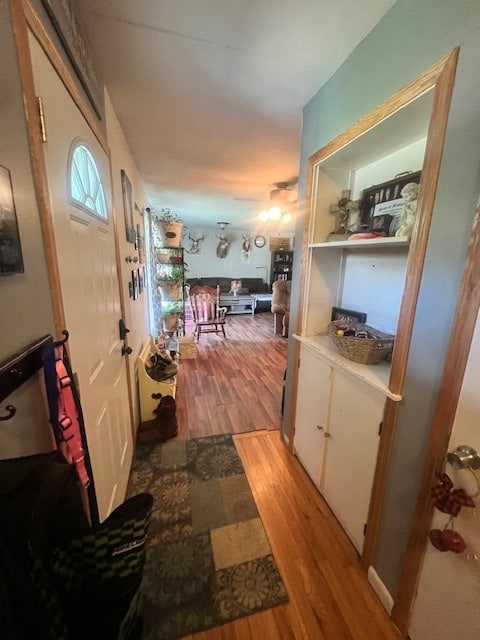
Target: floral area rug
column 208, row 558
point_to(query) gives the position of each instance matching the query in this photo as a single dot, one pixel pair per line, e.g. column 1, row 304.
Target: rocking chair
column 208, row 315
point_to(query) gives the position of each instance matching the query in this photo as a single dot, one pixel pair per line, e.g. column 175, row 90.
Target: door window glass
column 86, row 189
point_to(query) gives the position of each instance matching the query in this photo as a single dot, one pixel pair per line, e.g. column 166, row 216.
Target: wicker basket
column 363, row 350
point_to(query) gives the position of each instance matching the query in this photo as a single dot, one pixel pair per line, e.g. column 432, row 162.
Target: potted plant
column 170, row 227
column 171, row 314
column 170, row 282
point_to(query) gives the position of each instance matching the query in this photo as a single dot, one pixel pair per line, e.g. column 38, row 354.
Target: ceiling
column 209, row 93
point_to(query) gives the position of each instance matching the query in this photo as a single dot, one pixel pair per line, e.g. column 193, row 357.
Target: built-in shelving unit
column 341, row 407
column 375, row 376
column 282, row 265
column 373, row 243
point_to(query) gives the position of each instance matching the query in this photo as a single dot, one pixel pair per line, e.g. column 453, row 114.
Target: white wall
column 26, row 306
column 136, row 311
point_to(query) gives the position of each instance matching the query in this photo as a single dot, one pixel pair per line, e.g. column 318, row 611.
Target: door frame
column 24, row 18
column 465, row 319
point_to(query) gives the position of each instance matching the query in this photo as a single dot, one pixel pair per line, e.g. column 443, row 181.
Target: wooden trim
column 466, row 315
column 307, row 215
column 418, row 248
column 419, row 85
column 37, row 160
column 426, row 201
column 64, row 72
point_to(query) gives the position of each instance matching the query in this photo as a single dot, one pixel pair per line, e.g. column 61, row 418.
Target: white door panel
column 89, row 283
column 312, row 413
column 352, row 447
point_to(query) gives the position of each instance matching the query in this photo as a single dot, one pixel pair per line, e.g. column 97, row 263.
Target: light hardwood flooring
column 235, row 385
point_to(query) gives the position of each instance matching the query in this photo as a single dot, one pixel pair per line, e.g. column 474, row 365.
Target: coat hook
column 11, row 412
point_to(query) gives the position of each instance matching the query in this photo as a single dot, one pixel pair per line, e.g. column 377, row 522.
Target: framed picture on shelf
column 339, row 313
column 128, row 207
column 382, row 204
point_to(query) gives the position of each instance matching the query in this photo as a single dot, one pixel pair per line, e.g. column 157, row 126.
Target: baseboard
column 380, row 589
column 286, row 439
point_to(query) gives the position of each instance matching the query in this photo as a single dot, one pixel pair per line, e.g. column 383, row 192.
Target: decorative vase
column 170, row 233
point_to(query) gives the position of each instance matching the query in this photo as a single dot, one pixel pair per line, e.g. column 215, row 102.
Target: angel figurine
column 410, row 194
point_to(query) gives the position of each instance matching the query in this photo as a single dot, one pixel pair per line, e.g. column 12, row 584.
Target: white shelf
column 376, row 375
column 362, row 244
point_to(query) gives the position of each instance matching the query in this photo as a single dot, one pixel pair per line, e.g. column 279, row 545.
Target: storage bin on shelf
column 148, row 386
column 365, row 350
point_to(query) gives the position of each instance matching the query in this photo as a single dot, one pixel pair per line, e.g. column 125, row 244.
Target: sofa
column 281, row 306
column 249, row 285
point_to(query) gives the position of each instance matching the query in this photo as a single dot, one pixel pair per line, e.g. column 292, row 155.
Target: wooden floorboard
column 235, row 385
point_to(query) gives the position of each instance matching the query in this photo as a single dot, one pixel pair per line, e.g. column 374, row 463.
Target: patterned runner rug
column 208, row 558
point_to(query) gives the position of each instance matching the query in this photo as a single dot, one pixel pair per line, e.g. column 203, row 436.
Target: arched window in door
column 85, row 186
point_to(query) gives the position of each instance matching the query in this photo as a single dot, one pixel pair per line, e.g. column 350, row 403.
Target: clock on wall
column 259, row 241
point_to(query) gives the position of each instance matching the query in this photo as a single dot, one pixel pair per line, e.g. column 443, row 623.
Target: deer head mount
column 224, row 241
column 195, row 246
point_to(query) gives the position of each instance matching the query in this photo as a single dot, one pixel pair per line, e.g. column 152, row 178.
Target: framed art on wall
column 66, row 25
column 128, row 207
column 11, row 260
column 135, row 284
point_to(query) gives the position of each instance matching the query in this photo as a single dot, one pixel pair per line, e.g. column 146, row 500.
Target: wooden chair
column 208, row 315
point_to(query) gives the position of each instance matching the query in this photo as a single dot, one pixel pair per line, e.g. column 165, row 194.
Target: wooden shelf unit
column 380, row 277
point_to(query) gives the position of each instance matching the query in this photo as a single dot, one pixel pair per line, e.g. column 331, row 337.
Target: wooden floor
column 235, row 385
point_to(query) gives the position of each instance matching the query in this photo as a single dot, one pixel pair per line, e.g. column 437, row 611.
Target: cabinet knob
column 328, row 435
column 319, row 427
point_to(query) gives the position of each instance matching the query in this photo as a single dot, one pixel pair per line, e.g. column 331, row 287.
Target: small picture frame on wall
column 128, row 207
column 11, row 260
column 135, row 284
column 141, row 284
column 140, row 235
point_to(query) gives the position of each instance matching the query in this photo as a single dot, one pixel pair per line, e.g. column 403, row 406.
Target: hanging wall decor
column 128, row 207
column 11, row 260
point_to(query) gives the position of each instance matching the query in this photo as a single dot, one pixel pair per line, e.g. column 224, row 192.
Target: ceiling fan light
column 274, row 213
column 287, row 217
column 263, row 215
column 283, row 195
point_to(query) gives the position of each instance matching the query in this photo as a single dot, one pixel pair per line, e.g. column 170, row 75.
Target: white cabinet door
column 312, row 413
column 352, row 444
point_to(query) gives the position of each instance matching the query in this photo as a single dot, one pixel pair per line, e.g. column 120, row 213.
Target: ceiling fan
column 282, row 194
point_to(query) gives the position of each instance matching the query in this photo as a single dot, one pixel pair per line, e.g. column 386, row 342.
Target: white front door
column 90, row 289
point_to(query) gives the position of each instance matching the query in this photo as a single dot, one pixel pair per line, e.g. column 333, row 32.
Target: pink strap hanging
column 69, row 423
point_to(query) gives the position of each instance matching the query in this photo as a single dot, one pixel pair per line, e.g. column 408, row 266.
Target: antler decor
column 222, row 247
column 195, row 246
